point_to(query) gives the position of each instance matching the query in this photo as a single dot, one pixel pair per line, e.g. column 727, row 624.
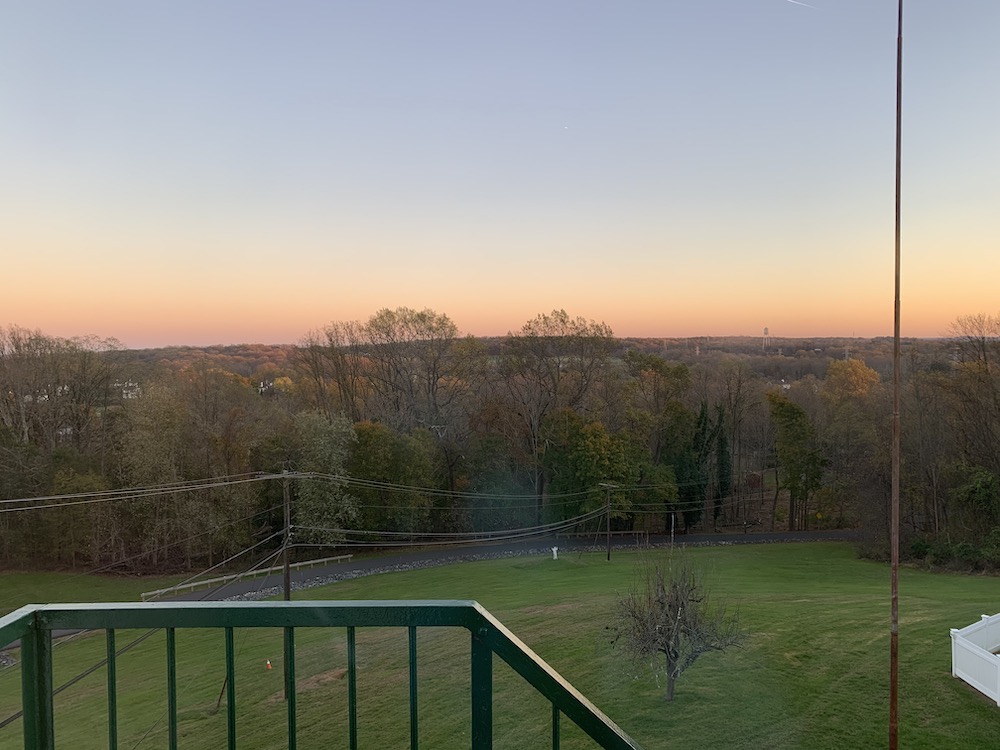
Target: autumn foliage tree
column 549, row 364
column 799, row 459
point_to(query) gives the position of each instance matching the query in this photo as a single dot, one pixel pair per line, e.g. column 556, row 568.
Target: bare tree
column 667, row 621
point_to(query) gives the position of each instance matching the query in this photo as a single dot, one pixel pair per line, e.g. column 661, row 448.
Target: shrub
column 919, row 548
column 940, row 552
column 991, row 548
column 967, row 554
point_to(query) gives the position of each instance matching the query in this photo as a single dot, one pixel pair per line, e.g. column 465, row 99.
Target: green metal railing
column 34, row 624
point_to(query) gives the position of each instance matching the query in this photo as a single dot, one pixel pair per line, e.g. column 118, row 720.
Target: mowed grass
column 813, row 674
column 18, row 588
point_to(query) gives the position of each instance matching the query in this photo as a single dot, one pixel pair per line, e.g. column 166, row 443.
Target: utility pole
column 608, row 486
column 895, row 460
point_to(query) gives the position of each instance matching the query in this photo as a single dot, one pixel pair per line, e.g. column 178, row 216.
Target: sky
column 186, row 172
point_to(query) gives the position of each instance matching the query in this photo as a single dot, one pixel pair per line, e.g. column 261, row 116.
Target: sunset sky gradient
column 241, row 171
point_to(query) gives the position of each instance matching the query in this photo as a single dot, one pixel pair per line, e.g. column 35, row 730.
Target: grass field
column 813, row 675
column 19, row 588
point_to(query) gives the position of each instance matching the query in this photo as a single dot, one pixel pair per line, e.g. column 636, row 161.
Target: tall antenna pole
column 894, row 521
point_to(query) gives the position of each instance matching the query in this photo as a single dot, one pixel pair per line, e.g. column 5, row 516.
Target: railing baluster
column 171, row 689
column 36, row 689
column 352, row 689
column 555, row 727
column 413, row 687
column 482, row 691
column 290, row 686
column 230, row 689
column 112, row 691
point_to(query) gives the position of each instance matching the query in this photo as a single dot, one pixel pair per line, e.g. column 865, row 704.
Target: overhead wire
column 165, row 488
column 542, row 528
column 46, row 502
column 133, row 558
column 511, row 535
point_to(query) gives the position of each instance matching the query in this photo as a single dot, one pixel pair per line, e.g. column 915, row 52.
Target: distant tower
column 767, row 339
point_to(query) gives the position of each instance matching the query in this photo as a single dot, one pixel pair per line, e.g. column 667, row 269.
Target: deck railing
column 34, row 625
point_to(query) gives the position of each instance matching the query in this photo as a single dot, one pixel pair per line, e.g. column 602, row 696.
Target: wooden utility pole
column 607, row 513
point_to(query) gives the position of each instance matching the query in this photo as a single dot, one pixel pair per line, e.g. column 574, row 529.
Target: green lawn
column 813, row 675
column 19, row 588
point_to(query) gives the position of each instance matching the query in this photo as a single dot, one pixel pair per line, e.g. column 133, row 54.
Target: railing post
column 171, row 689
column 36, row 689
column 352, row 689
column 482, row 690
column 112, row 691
column 230, row 689
column 954, row 652
column 290, row 686
column 414, row 728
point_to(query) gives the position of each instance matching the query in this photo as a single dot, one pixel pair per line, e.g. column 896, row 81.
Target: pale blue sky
column 232, row 171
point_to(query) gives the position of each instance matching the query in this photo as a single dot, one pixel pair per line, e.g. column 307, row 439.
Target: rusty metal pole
column 894, row 521
column 286, row 576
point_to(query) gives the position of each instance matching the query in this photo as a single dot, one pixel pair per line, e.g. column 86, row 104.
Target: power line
column 432, row 539
column 46, row 502
column 90, row 498
column 168, row 545
column 156, row 489
column 542, row 527
column 228, row 560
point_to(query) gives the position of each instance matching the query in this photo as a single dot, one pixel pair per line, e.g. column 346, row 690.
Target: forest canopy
column 408, row 426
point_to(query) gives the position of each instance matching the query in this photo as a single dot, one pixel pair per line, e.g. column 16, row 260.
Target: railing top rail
column 372, row 613
column 16, row 624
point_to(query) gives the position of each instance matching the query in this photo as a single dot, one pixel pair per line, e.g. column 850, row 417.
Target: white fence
column 210, row 582
column 974, row 658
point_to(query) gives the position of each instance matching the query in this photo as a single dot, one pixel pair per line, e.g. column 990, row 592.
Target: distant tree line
column 409, row 427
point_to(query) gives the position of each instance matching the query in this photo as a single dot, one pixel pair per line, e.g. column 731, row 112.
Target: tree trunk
column 774, row 502
column 672, row 674
column 539, row 493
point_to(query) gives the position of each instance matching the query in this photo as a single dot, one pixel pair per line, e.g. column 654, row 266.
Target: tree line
column 409, row 426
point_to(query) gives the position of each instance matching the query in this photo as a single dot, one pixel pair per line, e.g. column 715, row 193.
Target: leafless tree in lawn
column 667, row 621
